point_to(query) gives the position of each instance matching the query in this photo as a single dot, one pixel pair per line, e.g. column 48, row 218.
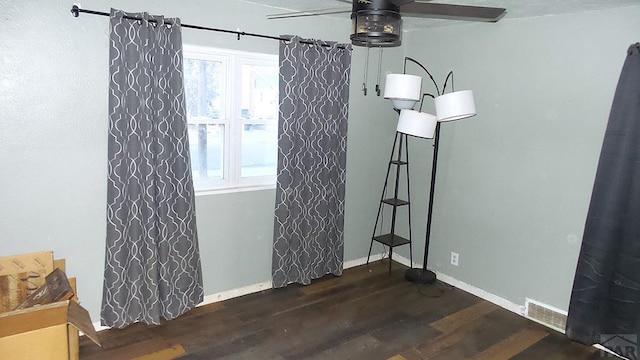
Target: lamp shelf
column 395, row 202
column 399, row 161
column 391, row 240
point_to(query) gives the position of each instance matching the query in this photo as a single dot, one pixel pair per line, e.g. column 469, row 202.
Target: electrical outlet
column 454, row 258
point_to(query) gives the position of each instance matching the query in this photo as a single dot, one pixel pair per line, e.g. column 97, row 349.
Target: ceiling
column 515, row 8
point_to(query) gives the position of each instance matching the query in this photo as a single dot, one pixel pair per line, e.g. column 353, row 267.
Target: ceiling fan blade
column 453, row 12
column 309, row 13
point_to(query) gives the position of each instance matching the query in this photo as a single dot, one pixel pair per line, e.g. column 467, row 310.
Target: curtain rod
column 76, row 10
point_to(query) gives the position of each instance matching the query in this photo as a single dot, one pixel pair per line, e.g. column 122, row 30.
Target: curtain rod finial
column 75, row 10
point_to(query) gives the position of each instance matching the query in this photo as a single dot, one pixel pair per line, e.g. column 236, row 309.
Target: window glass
column 204, row 89
column 232, row 110
column 259, row 150
column 259, row 112
column 206, row 145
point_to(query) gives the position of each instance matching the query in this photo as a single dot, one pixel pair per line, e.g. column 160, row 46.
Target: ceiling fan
column 378, row 23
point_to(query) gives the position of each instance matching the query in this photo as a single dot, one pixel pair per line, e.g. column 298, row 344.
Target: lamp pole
column 422, row 275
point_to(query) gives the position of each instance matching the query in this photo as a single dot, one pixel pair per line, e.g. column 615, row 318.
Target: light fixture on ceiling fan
column 378, row 23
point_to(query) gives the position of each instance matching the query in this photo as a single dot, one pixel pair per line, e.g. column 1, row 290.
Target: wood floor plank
column 461, row 318
column 512, row 345
column 556, row 346
column 447, row 343
column 437, row 296
column 397, row 357
column 335, row 339
column 474, row 338
column 412, row 354
column 226, row 349
column 133, row 351
column 171, row 353
column 360, row 348
column 364, row 272
column 196, row 334
column 406, row 333
column 119, row 338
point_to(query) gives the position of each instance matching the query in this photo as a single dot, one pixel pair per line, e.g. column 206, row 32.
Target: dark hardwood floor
column 366, row 313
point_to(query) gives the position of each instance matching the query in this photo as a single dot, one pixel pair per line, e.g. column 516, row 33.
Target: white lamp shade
column 403, row 90
column 455, row 105
column 417, row 123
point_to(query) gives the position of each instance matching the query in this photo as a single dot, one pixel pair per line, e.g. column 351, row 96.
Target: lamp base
column 420, row 276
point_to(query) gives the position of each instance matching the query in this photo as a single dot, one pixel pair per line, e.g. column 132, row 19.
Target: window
column 232, row 111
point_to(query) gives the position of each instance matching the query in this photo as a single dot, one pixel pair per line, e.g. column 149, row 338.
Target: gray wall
column 53, row 131
column 514, row 182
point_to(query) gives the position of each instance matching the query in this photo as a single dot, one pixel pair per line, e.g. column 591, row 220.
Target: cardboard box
column 44, row 331
column 21, row 275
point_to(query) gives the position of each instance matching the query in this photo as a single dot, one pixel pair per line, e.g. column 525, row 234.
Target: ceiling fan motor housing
column 376, row 23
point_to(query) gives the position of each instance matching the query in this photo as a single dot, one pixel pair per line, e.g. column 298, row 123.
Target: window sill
column 235, row 190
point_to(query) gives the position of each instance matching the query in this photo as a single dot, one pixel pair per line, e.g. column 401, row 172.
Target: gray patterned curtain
column 312, row 143
column 152, row 266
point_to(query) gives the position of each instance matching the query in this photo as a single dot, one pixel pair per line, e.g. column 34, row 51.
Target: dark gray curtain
column 152, row 266
column 312, row 143
column 605, row 302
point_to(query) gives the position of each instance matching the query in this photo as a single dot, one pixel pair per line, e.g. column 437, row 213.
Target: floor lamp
column 405, row 91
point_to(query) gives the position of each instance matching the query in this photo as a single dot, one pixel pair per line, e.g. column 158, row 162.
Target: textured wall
column 514, row 182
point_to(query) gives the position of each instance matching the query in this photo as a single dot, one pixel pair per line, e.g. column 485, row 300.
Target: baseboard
column 233, row 293
column 362, row 261
column 502, row 302
column 98, row 327
column 404, row 261
column 605, row 350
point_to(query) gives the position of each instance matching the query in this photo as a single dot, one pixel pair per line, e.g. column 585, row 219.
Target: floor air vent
column 545, row 315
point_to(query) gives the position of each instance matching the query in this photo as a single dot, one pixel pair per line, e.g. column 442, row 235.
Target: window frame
column 232, row 61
